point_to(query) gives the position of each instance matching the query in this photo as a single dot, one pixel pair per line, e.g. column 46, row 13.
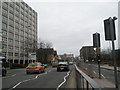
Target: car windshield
column 63, row 63
column 32, row 65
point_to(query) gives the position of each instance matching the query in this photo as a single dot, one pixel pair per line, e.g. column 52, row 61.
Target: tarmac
column 103, row 83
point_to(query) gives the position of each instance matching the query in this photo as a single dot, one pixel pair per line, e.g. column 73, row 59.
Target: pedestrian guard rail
column 84, row 82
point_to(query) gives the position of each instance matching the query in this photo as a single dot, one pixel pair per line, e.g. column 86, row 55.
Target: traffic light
column 98, row 56
column 96, row 40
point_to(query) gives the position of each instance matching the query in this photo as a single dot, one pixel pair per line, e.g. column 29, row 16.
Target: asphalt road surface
column 107, row 74
column 17, row 78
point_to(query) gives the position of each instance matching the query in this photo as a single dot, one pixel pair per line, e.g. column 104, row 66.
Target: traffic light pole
column 98, row 53
column 98, row 60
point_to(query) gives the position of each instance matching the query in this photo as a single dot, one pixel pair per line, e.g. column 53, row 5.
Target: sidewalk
column 106, row 66
column 71, row 81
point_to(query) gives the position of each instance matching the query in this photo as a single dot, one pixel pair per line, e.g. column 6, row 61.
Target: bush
column 5, row 64
column 13, row 65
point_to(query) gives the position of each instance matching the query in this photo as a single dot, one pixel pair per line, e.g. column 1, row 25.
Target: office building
column 18, row 31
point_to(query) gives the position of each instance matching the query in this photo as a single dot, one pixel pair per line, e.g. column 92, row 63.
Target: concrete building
column 87, row 53
column 18, row 31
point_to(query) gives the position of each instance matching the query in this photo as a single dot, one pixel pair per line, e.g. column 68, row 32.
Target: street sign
column 107, row 28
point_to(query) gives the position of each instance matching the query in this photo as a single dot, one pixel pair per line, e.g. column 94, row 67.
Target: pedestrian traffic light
column 109, row 28
column 96, row 40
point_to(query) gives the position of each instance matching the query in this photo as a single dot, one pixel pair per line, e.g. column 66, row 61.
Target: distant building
column 46, row 55
column 87, row 53
column 67, row 57
column 18, row 31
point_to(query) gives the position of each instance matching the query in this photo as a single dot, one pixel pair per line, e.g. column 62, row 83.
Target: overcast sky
column 69, row 25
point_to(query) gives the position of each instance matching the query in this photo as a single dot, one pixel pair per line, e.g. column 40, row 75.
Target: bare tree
column 44, row 44
column 48, row 45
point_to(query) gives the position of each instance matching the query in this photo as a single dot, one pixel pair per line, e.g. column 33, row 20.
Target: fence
column 84, row 82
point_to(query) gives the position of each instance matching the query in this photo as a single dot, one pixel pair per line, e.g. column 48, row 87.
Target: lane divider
column 10, row 76
column 27, row 80
column 63, row 81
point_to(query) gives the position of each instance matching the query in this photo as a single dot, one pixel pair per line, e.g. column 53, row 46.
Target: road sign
column 108, row 23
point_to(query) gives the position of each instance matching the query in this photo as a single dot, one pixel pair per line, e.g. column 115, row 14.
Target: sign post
column 109, row 27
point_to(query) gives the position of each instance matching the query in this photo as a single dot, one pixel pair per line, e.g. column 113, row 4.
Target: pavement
column 71, row 81
column 106, row 66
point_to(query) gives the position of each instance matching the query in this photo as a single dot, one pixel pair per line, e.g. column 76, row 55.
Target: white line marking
column 94, row 72
column 103, row 76
column 49, row 71
column 63, row 81
column 10, row 76
column 27, row 80
column 17, row 84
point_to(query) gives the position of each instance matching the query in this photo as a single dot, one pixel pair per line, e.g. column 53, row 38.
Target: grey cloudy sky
column 70, row 25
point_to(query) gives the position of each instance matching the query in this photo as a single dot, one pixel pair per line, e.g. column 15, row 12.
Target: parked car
column 3, row 70
column 63, row 66
column 35, row 67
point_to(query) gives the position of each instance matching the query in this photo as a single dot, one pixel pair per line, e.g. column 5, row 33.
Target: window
column 4, row 18
column 11, row 15
column 4, row 12
column 11, row 28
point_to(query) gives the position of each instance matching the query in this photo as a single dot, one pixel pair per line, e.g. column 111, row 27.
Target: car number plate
column 61, row 68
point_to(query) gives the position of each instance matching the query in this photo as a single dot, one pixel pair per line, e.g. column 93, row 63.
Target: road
column 107, row 74
column 17, row 78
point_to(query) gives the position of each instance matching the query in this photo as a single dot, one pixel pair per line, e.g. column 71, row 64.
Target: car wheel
column 27, row 73
column 57, row 70
column 43, row 70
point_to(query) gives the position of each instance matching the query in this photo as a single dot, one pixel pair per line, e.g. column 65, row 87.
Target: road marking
column 17, row 84
column 63, row 81
column 49, row 71
column 10, row 76
column 27, row 80
column 103, row 76
column 94, row 72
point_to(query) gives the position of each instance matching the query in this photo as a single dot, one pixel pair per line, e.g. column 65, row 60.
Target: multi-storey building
column 18, row 31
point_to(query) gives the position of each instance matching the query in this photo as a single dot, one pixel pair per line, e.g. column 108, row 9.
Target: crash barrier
column 84, row 82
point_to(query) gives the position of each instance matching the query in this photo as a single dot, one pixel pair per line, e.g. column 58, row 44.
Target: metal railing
column 84, row 82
